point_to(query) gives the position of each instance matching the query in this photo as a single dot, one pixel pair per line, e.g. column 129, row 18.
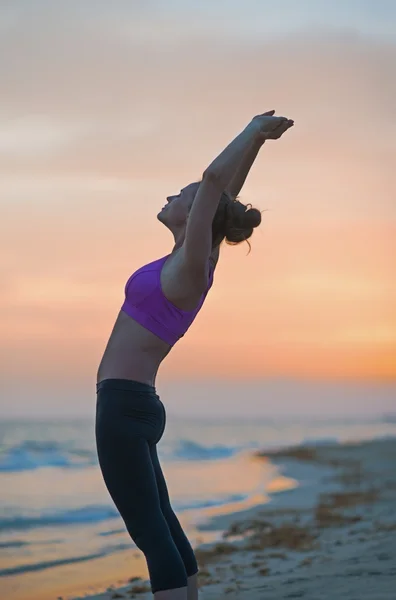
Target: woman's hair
column 234, row 221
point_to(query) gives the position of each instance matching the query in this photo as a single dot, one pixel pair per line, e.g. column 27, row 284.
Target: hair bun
column 234, row 221
column 252, row 218
column 240, row 222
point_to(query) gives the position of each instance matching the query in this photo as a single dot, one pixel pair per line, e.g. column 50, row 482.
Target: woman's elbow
column 214, row 177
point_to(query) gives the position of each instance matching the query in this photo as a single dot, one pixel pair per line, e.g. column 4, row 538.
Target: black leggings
column 130, row 421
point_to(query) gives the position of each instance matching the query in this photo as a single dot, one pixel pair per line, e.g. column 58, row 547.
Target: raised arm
column 197, row 246
column 239, row 177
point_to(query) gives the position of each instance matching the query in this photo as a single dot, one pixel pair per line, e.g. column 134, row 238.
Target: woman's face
column 175, row 212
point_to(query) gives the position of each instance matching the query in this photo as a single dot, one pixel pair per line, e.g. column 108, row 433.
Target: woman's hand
column 270, row 127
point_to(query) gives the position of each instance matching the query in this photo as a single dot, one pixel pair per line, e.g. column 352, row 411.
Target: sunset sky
column 108, row 107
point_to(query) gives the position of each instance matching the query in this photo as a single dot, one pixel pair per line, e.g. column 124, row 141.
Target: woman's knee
column 149, row 535
column 182, row 542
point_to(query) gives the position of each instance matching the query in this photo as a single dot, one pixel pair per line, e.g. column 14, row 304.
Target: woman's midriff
column 132, row 352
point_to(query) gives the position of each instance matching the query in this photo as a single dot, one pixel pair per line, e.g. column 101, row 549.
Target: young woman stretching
column 161, row 301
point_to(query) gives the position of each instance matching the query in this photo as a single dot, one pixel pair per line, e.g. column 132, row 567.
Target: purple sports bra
column 146, row 303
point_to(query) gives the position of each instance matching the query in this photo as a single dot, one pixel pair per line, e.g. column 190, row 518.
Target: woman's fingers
column 280, row 130
column 272, row 126
column 284, row 128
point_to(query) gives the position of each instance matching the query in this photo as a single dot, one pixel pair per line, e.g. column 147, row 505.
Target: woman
column 161, row 301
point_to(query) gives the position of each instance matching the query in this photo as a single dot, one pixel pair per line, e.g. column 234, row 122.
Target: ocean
column 55, row 509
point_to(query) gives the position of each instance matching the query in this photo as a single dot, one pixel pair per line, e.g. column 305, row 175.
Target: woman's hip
column 126, row 407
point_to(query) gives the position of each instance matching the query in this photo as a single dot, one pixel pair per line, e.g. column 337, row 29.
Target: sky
column 107, row 108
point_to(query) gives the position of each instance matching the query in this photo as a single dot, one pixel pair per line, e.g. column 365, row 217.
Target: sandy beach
column 333, row 536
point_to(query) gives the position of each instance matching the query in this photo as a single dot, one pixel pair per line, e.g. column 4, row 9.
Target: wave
column 189, row 450
column 86, row 514
column 315, row 441
column 14, row 544
column 40, row 566
column 112, row 532
column 31, row 454
column 389, row 418
column 92, row 514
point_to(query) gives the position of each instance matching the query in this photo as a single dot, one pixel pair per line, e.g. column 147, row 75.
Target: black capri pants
column 130, row 421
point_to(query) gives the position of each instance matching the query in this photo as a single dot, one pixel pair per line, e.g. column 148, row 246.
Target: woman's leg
column 192, row 587
column 128, row 471
column 178, row 535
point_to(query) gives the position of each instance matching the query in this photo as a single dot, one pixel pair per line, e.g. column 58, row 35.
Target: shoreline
column 333, row 536
column 337, row 523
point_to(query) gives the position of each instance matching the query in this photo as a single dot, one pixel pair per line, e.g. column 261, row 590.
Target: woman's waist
column 129, row 371
column 132, row 353
column 133, row 364
column 127, row 385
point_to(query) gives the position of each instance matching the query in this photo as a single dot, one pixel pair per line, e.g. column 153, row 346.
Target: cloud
column 131, row 106
column 34, row 136
column 69, row 60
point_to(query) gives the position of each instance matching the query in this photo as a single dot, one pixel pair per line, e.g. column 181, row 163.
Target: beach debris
column 306, row 562
column 260, row 534
column 210, row 581
column 331, row 455
column 242, row 527
column 205, row 577
column 286, row 535
column 327, row 515
column 353, row 476
column 204, row 556
column 267, row 513
column 139, row 588
column 281, row 555
column 348, row 499
column 256, row 564
column 306, row 453
column 229, row 590
column 385, row 527
column 204, row 573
